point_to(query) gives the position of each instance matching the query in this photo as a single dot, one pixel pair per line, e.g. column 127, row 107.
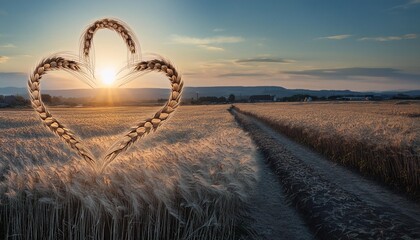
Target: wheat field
column 191, row 179
column 194, row 178
column 380, row 139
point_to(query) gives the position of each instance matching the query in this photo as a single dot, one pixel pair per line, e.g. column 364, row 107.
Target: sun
column 108, row 76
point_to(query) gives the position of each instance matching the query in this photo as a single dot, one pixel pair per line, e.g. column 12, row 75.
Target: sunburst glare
column 108, row 76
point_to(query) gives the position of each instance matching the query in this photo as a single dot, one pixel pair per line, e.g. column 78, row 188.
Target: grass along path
column 333, row 209
column 380, row 140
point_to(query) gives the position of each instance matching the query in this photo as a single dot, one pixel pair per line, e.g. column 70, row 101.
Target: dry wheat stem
column 49, row 64
column 145, row 127
column 118, row 26
column 141, row 129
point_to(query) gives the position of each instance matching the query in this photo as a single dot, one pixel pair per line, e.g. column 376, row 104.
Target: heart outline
column 143, row 128
column 116, row 25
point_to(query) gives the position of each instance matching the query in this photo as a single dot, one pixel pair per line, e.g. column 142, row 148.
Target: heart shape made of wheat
column 144, row 127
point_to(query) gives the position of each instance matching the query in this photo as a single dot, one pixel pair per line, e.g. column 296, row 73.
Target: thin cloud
column 190, row 73
column 9, row 45
column 4, row 59
column 206, row 41
column 264, row 60
column 243, row 75
column 215, row 64
column 336, row 37
column 389, row 38
column 212, row 48
column 219, row 30
column 407, row 5
column 344, row 73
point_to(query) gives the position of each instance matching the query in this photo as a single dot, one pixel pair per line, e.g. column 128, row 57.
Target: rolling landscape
column 213, row 178
column 199, row 120
column 153, row 94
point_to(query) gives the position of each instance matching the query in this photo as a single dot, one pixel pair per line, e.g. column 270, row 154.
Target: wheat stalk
column 145, row 127
column 49, row 64
column 141, row 129
column 118, row 26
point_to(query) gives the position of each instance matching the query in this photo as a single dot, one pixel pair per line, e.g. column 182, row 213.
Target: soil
column 334, row 202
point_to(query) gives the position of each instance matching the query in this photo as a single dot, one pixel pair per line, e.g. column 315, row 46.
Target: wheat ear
column 116, row 25
column 49, row 64
column 145, row 127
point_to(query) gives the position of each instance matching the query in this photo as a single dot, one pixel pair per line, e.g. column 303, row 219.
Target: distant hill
column 192, row 92
column 13, row 91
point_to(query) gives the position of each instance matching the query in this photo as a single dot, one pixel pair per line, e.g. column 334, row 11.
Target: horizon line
column 237, row 86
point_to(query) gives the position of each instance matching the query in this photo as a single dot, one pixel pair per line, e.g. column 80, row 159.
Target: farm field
column 193, row 178
column 335, row 201
column 379, row 139
column 218, row 120
column 203, row 175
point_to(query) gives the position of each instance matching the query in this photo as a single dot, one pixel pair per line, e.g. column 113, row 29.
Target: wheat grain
column 188, row 180
column 145, row 127
column 380, row 139
column 116, row 25
column 141, row 129
column 49, row 64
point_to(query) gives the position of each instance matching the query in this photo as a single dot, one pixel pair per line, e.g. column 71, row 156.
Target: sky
column 301, row 44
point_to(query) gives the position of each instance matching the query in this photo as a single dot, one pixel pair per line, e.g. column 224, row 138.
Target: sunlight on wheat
column 190, row 181
column 381, row 139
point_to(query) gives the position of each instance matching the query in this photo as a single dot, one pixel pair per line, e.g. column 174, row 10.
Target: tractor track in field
column 271, row 215
column 335, row 202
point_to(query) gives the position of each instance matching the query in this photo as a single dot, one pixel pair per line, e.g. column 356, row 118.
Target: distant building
column 261, row 98
column 308, row 99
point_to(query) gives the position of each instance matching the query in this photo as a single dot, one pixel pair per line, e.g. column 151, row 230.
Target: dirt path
column 335, row 202
column 365, row 189
column 272, row 216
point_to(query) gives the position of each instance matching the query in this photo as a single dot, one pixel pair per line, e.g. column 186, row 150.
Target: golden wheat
column 116, row 25
column 189, row 181
column 141, row 129
column 146, row 126
column 379, row 139
column 34, row 83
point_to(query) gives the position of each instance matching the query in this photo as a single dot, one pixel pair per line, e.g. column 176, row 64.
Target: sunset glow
column 340, row 45
column 191, row 119
column 108, row 76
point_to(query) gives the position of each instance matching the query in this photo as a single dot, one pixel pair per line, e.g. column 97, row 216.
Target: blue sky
column 337, row 44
